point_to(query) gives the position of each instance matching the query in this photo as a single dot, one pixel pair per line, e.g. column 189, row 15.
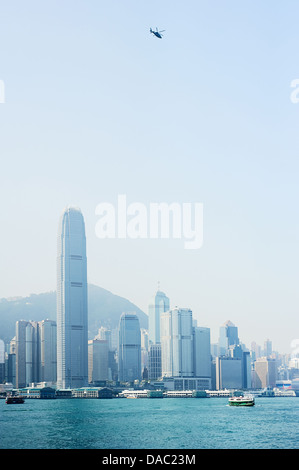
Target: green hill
column 104, row 309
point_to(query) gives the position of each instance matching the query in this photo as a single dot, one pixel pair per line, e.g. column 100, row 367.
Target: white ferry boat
column 241, row 401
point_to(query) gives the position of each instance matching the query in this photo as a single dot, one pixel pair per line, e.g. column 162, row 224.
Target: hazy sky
column 96, row 106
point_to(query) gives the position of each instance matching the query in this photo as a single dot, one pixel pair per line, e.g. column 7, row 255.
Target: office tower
column 10, row 363
column 72, row 340
column 202, row 352
column 35, row 352
column 228, row 336
column 98, row 369
column 255, row 350
column 32, row 352
column 112, row 337
column 177, row 343
column 246, row 370
column 21, row 353
column 2, row 361
column 27, row 356
column 129, row 348
column 228, row 372
column 144, row 351
column 154, row 362
column 105, row 334
column 239, row 352
column 158, row 305
column 48, row 351
column 264, row 372
column 267, row 348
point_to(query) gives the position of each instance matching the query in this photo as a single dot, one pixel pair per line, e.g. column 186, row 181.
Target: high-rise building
column 2, row 361
column 158, row 305
column 98, row 370
column 228, row 372
column 237, row 351
column 10, row 363
column 202, row 352
column 264, row 372
column 154, row 362
column 35, row 352
column 21, row 353
column 72, row 339
column 177, row 343
column 111, row 336
column 129, row 348
column 255, row 350
column 48, row 351
column 144, row 350
column 267, row 348
column 228, row 336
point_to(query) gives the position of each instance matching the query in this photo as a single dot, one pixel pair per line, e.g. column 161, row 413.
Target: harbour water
column 172, row 423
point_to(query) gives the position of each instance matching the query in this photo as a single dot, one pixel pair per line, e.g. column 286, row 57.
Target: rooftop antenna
column 158, row 285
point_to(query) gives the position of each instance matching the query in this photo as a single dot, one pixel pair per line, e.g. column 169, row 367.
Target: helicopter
column 157, row 33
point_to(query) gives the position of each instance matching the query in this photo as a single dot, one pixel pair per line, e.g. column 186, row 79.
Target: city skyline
column 205, row 115
column 159, row 302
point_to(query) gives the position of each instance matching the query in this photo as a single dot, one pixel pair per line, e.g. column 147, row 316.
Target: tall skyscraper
column 202, row 352
column 265, row 372
column 72, row 339
column 154, row 362
column 98, row 356
column 158, row 305
column 21, row 353
column 48, row 351
column 2, row 361
column 228, row 372
column 35, row 352
column 228, row 336
column 177, row 343
column 267, row 348
column 129, row 348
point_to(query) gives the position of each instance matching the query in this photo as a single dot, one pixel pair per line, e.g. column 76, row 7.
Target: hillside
column 104, row 309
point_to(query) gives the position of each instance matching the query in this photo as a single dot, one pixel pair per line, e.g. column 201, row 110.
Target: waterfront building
column 154, row 362
column 144, row 351
column 264, row 372
column 202, row 352
column 186, row 383
column 35, row 353
column 177, row 343
column 239, row 351
column 21, row 379
column 2, row 361
column 228, row 336
column 228, row 373
column 129, row 348
column 48, row 351
column 72, row 340
column 110, row 335
column 10, row 369
column 158, row 305
column 98, row 356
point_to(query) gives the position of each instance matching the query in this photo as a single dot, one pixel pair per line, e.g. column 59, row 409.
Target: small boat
column 241, row 401
column 14, row 400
